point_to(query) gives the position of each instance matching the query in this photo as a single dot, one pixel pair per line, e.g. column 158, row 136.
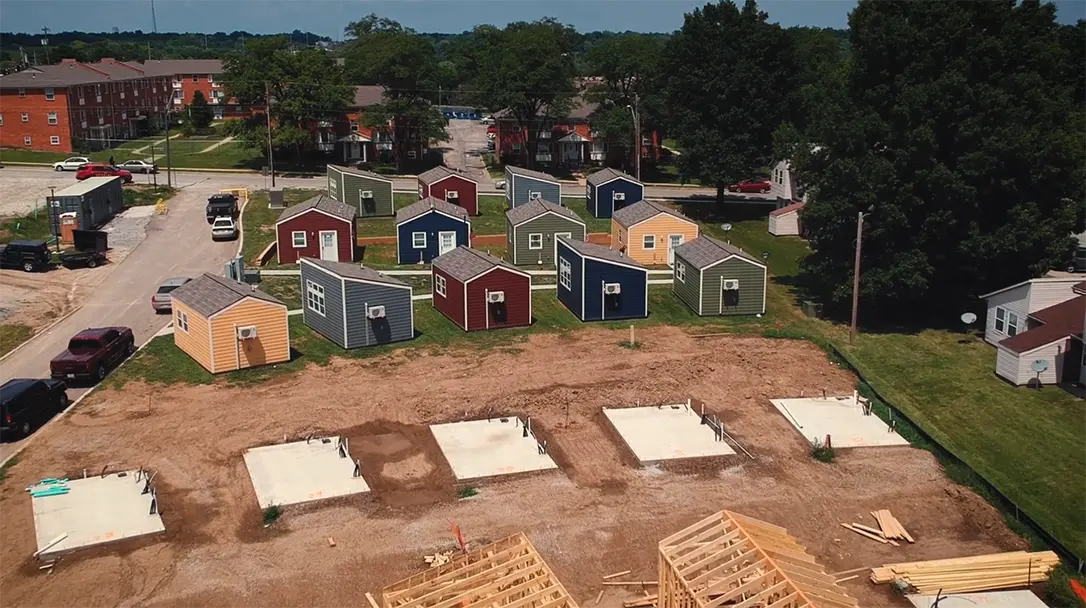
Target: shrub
column 271, row 514
column 466, row 492
column 1058, row 592
column 822, row 452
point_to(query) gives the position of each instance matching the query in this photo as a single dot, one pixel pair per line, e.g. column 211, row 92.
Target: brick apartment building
column 190, row 75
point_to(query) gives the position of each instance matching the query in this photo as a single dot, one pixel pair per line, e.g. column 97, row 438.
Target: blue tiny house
column 599, row 284
column 523, row 185
column 429, row 228
column 607, row 191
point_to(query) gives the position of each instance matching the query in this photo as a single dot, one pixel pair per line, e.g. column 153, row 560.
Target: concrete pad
column 1019, row 598
column 293, row 473
column 487, row 448
column 665, row 432
column 95, row 510
column 842, row 418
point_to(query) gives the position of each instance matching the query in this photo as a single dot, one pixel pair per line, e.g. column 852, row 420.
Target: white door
column 673, row 241
column 329, row 245
column 446, row 241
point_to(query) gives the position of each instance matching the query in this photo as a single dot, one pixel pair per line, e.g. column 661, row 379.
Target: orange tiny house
column 648, row 233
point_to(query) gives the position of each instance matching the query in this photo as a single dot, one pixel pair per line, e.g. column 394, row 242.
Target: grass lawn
column 670, row 144
column 12, row 335
column 287, row 289
column 188, row 154
column 34, row 226
column 258, row 221
column 141, row 195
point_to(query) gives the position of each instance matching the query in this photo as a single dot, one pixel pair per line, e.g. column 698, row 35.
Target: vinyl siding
column 1043, row 294
column 618, row 236
column 689, row 291
column 660, row 226
column 194, row 342
column 631, row 302
column 452, row 304
column 335, row 184
column 634, row 192
column 382, row 205
column 590, row 200
column 751, row 288
column 547, row 224
column 272, row 344
column 313, row 223
column 96, row 207
column 1014, row 300
column 431, row 223
column 1018, row 368
column 331, row 324
column 784, row 225
column 518, row 297
column 467, row 193
column 523, row 185
column 571, row 297
column 395, row 327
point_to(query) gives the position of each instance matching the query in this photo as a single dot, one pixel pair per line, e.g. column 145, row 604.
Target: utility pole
column 637, row 136
column 154, row 21
column 154, row 172
column 45, row 42
column 267, row 114
column 169, row 181
column 856, row 277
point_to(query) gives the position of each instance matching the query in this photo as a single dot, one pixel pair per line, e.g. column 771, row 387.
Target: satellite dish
column 726, row 227
column 969, row 318
column 765, row 255
column 1039, row 366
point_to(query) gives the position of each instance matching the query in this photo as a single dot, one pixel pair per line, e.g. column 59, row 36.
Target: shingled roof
column 537, row 207
column 172, row 67
column 362, row 173
column 439, row 173
column 705, row 250
column 606, row 175
column 643, row 210
column 463, row 264
column 786, row 209
column 425, row 205
column 354, row 271
column 1059, row 321
column 521, row 171
column 208, row 294
column 593, row 250
column 368, row 95
column 323, row 203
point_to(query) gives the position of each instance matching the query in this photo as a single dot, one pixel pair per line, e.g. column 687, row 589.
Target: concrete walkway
column 217, row 144
column 157, row 143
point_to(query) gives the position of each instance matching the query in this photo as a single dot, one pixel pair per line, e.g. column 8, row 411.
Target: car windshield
column 223, row 223
column 167, row 288
column 77, row 345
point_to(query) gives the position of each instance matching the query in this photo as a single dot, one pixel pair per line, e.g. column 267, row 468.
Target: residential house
column 599, row 284
column 429, row 228
column 523, row 185
column 649, row 232
column 346, row 139
column 608, row 190
column 532, row 229
column 785, row 220
column 450, row 186
column 372, row 193
column 320, row 227
column 715, row 278
column 476, row 290
column 190, row 75
column 355, row 306
column 1009, row 308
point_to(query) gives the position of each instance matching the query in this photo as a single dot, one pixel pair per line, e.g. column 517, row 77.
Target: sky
column 327, row 17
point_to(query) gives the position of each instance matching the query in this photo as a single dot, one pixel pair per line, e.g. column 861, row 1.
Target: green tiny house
column 530, row 230
column 715, row 278
column 369, row 192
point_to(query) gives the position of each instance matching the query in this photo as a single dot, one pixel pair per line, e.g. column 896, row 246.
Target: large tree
column 200, row 112
column 728, row 75
column 958, row 133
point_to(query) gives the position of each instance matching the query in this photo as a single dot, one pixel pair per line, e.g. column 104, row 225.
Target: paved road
column 465, row 150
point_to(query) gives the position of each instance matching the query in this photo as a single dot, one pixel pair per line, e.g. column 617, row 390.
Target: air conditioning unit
column 452, row 195
column 247, row 332
column 375, row 312
column 495, row 297
column 535, row 195
column 731, row 284
column 366, row 194
column 620, row 196
column 612, row 289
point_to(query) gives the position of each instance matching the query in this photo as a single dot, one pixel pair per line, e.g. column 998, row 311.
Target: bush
column 1058, row 592
column 271, row 514
column 822, row 452
column 188, row 129
column 466, row 492
column 230, row 128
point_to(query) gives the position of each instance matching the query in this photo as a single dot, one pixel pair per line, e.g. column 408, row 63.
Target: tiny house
column 476, row 290
column 320, row 227
column 523, row 185
column 531, row 230
column 355, row 306
column 429, row 228
column 369, row 192
column 452, row 187
column 608, row 190
column 599, row 284
column 785, row 221
column 649, row 232
column 715, row 278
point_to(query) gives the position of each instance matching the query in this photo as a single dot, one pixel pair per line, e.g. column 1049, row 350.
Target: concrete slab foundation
column 1019, row 598
column 842, row 418
column 94, row 511
column 487, row 448
column 302, row 471
column 665, row 432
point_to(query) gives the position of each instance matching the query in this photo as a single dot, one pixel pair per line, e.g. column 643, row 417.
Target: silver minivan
column 162, row 300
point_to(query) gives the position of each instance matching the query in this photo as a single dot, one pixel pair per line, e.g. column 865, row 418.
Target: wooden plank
column 615, row 575
column 717, row 545
column 369, row 598
column 674, row 539
column 737, row 592
column 456, row 568
column 629, row 583
column 847, row 578
column 860, row 569
column 758, row 598
column 867, row 534
column 487, row 591
column 599, row 597
column 522, row 565
column 874, row 531
column 727, row 581
column 824, row 592
column 784, row 601
column 735, row 562
column 739, row 547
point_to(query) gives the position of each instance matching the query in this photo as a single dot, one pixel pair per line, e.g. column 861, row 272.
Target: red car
column 92, row 353
column 750, row 185
column 102, row 170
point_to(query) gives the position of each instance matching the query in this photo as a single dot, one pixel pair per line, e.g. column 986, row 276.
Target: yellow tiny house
column 648, row 233
column 225, row 325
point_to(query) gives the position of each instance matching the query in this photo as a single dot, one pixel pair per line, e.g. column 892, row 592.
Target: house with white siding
column 785, row 221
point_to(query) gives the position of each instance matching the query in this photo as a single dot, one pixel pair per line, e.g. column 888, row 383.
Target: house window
column 182, row 322
column 22, row 92
column 196, row 78
column 535, row 240
column 209, row 78
column 50, row 94
column 52, row 118
column 418, row 240
column 26, row 140
column 1, row 119
column 412, row 155
column 439, row 285
column 1006, row 322
column 354, row 127
column 25, row 117
column 680, row 271
column 314, row 297
column 565, row 273
column 298, row 237
column 54, row 140
column 649, row 242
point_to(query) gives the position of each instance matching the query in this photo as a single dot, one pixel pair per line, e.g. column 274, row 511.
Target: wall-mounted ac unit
column 376, row 312
column 620, row 196
column 535, row 195
column 731, row 284
column 495, row 297
column 247, row 332
column 612, row 289
column 366, row 194
column 451, row 195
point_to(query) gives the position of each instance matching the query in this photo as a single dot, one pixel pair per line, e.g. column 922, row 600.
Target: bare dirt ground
column 36, row 299
column 596, row 516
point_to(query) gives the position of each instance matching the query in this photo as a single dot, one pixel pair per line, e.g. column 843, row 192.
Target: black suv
column 28, row 255
column 220, row 205
column 27, row 404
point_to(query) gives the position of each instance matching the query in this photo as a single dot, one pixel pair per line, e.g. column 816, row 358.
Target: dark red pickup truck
column 92, row 353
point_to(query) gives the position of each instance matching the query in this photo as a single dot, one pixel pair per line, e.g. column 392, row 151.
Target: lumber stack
column 890, row 526
column 970, row 574
column 439, row 559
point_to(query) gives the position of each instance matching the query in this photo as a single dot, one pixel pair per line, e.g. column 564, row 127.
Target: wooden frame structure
column 733, row 561
column 506, row 574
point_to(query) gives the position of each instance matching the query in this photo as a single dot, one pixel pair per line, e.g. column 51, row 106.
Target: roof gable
column 705, row 251
column 441, row 172
column 464, row 264
column 208, row 294
column 362, row 173
column 1031, row 282
column 605, row 175
column 642, row 210
column 522, row 172
column 599, row 252
column 427, row 205
column 323, row 203
column 352, row 272
column 794, row 207
column 537, row 207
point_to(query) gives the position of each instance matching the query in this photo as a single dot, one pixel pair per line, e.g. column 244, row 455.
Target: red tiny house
column 320, row 228
column 477, row 291
column 450, row 186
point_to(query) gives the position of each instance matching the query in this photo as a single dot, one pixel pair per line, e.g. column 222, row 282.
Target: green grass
column 466, row 493
column 32, row 226
column 187, row 154
column 670, row 144
column 287, row 289
column 143, row 195
column 12, row 335
column 270, row 514
column 258, row 221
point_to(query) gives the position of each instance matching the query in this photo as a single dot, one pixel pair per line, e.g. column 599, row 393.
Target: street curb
column 41, row 332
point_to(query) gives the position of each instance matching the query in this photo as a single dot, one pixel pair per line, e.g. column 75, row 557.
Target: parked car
column 221, row 205
column 486, row 120
column 162, row 301
column 138, row 166
column 92, row 353
column 27, row 255
column 80, row 259
column 224, row 229
column 71, row 164
column 758, row 185
column 26, row 404
column 103, row 170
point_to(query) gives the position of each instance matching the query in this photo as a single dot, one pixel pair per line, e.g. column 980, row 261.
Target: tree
column 199, row 111
column 958, row 133
column 728, row 73
column 526, row 69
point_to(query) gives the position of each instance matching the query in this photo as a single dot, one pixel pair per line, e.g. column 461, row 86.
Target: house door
column 329, row 245
column 354, row 150
column 1072, row 361
column 446, row 241
column 673, row 241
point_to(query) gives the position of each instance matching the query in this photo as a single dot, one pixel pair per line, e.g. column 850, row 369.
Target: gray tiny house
column 715, row 278
column 369, row 192
column 354, row 306
column 531, row 228
column 94, row 201
column 523, row 185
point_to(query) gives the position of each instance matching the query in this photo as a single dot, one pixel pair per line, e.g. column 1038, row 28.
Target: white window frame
column 680, row 271
column 24, row 116
column 314, row 297
column 1, row 119
column 50, row 94
column 565, row 273
column 533, row 235
column 415, row 240
column 51, row 118
column 439, row 285
column 54, row 140
column 1003, row 323
column 182, row 322
column 648, row 242
column 27, row 141
column 294, row 239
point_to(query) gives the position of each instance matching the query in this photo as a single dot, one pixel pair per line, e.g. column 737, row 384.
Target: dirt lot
column 598, row 515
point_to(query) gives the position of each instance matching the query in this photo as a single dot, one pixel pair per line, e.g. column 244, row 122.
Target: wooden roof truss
column 506, row 574
column 734, row 561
